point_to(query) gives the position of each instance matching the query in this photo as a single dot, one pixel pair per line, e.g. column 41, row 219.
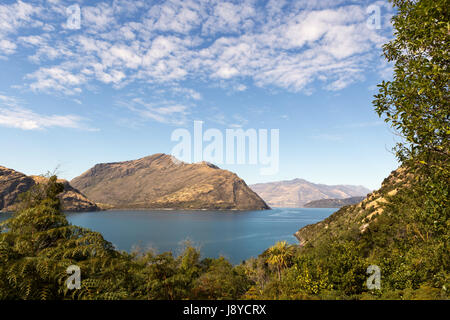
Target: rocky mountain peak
column 161, row 181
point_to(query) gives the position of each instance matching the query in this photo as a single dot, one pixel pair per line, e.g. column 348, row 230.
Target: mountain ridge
column 295, row 193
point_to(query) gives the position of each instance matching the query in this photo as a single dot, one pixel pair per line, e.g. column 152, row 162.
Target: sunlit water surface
column 234, row 235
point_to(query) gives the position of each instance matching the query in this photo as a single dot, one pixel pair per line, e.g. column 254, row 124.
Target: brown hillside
column 360, row 215
column 160, row 181
column 13, row 183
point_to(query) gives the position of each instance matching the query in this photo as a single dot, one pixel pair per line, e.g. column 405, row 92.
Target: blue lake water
column 234, row 235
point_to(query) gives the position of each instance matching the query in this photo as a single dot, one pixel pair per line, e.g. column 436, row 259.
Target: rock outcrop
column 13, row 183
column 161, row 181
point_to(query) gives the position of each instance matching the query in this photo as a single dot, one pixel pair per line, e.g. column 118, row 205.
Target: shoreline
column 169, row 209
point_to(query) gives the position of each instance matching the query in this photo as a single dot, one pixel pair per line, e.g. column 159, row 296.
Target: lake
column 234, row 235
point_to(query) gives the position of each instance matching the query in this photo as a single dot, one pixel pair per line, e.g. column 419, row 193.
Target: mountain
column 355, row 217
column 161, row 181
column 333, row 203
column 296, row 193
column 13, row 183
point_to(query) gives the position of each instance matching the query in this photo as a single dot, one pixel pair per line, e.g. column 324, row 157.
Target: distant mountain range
column 298, row 192
column 13, row 183
column 333, row 203
column 161, row 181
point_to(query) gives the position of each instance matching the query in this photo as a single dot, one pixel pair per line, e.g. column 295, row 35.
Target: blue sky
column 115, row 88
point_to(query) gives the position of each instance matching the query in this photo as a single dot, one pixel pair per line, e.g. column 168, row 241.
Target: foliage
column 221, row 281
column 417, row 102
column 280, row 256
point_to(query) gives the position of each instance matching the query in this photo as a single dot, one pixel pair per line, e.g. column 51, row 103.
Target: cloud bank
column 288, row 45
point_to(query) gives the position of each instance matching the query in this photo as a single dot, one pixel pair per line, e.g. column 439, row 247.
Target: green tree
column 39, row 244
column 416, row 102
column 221, row 281
column 280, row 256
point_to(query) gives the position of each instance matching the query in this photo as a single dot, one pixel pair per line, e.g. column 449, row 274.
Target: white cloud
column 13, row 17
column 56, row 79
column 17, row 15
column 162, row 111
column 226, row 72
column 7, row 47
column 189, row 93
column 240, row 87
column 176, row 16
column 227, row 17
column 32, row 40
column 289, row 45
column 14, row 116
column 98, row 18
